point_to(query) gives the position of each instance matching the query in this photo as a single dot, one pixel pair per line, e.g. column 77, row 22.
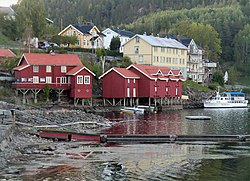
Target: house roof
column 123, row 32
column 162, row 42
column 154, row 72
column 151, row 71
column 123, row 72
column 51, row 59
column 84, row 29
column 77, row 69
column 6, row 53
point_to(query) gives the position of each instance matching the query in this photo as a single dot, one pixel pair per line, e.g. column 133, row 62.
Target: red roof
column 152, row 71
column 6, row 53
column 52, row 59
column 77, row 69
column 123, row 72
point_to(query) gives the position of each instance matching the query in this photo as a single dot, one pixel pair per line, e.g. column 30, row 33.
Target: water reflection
column 223, row 121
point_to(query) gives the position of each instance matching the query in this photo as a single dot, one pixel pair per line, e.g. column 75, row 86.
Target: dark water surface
column 208, row 161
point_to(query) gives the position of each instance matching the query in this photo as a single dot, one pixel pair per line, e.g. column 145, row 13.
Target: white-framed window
column 137, row 40
column 48, row 68
column 155, row 89
column 134, row 92
column 63, row 69
column 128, row 92
column 35, row 68
column 35, row 79
column 86, row 79
column 176, row 91
column 79, row 79
column 63, row 80
column 134, row 81
column 69, row 80
column 166, row 89
column 77, row 43
column 48, row 80
column 162, row 49
column 155, row 49
column 128, row 81
column 140, row 58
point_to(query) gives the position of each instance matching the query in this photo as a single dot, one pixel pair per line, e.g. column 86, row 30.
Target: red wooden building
column 119, row 83
column 6, row 53
column 142, row 81
column 63, row 73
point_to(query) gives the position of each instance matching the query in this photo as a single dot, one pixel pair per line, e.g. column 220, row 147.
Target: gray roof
column 162, row 42
column 123, row 32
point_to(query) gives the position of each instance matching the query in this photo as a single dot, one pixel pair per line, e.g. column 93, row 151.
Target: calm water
column 178, row 162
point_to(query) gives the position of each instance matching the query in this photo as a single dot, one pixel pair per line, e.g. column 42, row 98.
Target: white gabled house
column 124, row 36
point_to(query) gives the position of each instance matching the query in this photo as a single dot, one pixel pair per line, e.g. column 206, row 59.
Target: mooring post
column 13, row 113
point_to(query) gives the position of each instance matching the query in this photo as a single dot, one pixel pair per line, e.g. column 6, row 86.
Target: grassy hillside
column 6, row 42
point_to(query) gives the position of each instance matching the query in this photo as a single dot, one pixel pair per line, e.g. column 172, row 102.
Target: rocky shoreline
column 18, row 144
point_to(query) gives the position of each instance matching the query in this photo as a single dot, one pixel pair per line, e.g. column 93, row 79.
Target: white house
column 116, row 32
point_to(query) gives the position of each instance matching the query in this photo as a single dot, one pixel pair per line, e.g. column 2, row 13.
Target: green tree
column 232, row 75
column 115, row 44
column 203, row 34
column 8, row 26
column 242, row 49
column 31, row 14
column 125, row 62
column 218, row 77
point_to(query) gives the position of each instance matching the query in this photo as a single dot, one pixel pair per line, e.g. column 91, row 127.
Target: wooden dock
column 139, row 138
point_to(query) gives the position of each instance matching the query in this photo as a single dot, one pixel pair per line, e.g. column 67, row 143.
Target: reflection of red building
column 61, row 72
column 141, row 81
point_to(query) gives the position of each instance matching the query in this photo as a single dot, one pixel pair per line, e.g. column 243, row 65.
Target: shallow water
column 170, row 161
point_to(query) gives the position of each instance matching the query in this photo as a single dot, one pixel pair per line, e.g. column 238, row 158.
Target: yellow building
column 150, row 50
column 88, row 36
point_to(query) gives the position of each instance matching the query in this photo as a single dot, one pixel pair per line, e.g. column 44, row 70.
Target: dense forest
column 221, row 27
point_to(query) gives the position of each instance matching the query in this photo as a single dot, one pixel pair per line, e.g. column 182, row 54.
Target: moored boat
column 227, row 100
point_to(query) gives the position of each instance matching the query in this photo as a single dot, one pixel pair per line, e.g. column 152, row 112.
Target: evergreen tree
column 115, row 44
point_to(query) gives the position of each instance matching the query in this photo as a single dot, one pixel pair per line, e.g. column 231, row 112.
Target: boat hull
column 224, row 105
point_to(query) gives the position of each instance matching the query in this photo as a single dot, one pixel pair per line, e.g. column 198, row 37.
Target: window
column 48, row 80
column 128, row 92
column 162, row 50
column 134, row 81
column 137, row 40
column 69, row 80
column 35, row 79
column 128, row 81
column 35, row 68
column 84, row 42
column 79, row 79
column 63, row 80
column 77, row 43
column 74, row 33
column 63, row 69
column 48, row 68
column 134, row 92
column 86, row 79
column 155, row 49
column 136, row 49
column 140, row 58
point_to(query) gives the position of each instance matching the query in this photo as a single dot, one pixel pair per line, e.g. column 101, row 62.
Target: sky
column 7, row 3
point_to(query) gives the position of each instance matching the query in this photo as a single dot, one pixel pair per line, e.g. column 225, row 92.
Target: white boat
column 227, row 100
column 133, row 110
